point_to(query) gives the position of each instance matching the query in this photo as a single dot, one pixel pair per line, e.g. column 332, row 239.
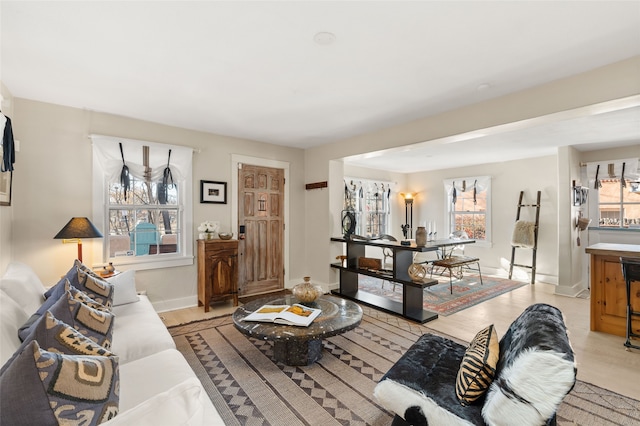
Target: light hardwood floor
column 602, row 359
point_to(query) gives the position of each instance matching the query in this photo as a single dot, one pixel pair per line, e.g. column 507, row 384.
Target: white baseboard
column 571, row 291
column 173, row 304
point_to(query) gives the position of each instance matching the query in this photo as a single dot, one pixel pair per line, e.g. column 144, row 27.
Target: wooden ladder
column 535, row 241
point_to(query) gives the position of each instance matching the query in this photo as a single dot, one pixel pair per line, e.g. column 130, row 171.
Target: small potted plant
column 208, row 229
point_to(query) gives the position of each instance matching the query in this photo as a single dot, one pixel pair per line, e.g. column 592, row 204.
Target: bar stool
column 630, row 272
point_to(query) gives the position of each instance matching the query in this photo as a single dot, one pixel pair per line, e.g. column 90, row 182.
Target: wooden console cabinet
column 608, row 288
column 217, row 272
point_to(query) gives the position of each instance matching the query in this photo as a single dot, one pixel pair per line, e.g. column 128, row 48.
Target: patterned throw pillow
column 478, row 366
column 54, row 335
column 96, row 288
column 81, row 296
column 96, row 325
column 25, row 329
column 83, row 278
column 45, row 388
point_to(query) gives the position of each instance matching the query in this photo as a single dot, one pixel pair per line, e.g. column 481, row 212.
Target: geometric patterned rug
column 467, row 291
column 248, row 388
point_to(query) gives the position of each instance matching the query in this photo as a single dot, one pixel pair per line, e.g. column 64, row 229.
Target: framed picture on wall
column 5, row 188
column 213, row 192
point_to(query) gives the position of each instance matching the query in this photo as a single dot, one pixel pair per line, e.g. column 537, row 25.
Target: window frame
column 449, row 214
column 605, row 170
column 102, row 207
column 621, row 204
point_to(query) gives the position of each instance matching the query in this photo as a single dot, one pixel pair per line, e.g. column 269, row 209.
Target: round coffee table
column 293, row 345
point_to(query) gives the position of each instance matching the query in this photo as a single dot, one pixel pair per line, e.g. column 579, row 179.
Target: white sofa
column 157, row 386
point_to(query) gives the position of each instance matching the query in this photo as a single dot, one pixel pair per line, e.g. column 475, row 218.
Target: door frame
column 236, row 160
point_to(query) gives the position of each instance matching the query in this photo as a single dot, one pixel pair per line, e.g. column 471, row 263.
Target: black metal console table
column 411, row 306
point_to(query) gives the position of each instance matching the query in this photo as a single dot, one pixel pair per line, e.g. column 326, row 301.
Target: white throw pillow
column 124, row 285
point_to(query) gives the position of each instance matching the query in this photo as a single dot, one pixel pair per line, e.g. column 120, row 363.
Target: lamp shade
column 78, row 227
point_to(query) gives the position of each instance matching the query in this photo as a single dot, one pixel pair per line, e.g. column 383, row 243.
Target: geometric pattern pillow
column 46, row 388
column 81, row 296
column 25, row 329
column 96, row 288
column 83, row 278
column 92, row 323
column 478, row 366
column 54, row 335
column 81, row 266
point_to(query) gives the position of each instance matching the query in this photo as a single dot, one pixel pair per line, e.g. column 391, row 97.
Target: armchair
column 535, row 370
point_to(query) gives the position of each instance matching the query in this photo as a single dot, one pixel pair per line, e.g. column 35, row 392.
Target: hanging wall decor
column 213, row 192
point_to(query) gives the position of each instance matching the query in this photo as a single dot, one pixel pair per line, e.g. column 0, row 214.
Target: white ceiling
column 253, row 70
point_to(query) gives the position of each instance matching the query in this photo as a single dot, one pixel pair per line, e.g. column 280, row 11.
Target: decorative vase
column 417, row 272
column 421, row 236
column 206, row 235
column 306, row 292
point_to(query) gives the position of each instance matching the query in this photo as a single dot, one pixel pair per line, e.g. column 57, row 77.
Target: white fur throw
column 397, row 398
column 529, row 391
column 524, row 234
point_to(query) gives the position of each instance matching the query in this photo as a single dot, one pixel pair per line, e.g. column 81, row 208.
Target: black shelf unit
column 412, row 305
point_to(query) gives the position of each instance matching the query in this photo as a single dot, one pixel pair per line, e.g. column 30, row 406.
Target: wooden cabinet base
column 608, row 289
column 217, row 272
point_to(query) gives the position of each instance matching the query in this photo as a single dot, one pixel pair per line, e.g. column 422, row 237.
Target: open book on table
column 285, row 314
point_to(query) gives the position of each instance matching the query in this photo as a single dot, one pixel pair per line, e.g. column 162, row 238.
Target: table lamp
column 75, row 230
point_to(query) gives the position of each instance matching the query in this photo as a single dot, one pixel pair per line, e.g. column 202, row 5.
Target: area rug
column 248, row 388
column 467, row 291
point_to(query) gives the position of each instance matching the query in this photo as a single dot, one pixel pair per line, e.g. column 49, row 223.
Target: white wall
column 569, row 254
column 54, row 183
column 507, row 180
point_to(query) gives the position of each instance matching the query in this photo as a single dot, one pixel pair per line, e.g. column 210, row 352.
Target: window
column 370, row 201
column 146, row 223
column 618, row 205
column 468, row 202
column 618, row 192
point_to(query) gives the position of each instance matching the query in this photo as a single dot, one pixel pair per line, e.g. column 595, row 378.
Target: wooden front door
column 261, row 212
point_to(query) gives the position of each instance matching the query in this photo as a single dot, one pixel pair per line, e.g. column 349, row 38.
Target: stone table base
column 297, row 353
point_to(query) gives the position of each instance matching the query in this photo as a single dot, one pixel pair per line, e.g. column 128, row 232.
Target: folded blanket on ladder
column 524, row 234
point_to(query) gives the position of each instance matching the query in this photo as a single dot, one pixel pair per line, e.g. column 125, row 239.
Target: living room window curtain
column 615, row 169
column 106, row 151
column 468, row 206
column 453, row 187
column 371, row 201
column 107, row 167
